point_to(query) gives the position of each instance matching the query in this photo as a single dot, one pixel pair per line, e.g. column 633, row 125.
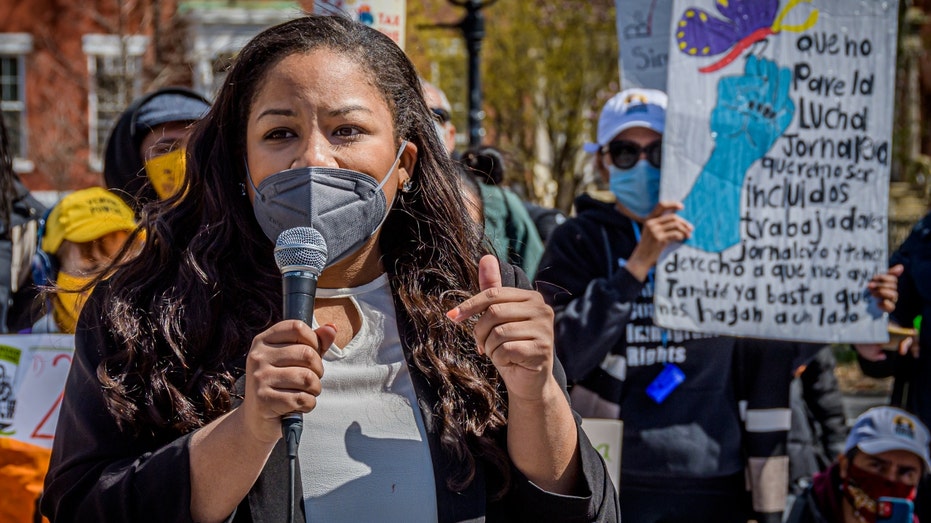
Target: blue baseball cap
column 630, row 108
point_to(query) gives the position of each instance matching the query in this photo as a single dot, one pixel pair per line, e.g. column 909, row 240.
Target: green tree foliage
column 548, row 67
column 438, row 51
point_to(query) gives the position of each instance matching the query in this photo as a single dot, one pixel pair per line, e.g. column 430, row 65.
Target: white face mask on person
column 636, row 188
column 346, row 207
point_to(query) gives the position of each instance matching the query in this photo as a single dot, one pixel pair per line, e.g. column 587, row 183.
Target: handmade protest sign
column 31, row 388
column 643, row 39
column 778, row 143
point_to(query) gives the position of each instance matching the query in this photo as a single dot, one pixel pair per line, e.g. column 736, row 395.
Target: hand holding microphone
column 300, row 254
column 282, row 375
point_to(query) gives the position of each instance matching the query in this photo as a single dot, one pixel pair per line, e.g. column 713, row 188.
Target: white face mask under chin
column 346, row 207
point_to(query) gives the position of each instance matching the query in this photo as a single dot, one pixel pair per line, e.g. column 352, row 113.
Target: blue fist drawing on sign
column 752, row 111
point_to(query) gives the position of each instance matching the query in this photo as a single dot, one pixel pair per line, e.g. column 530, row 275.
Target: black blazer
column 99, row 474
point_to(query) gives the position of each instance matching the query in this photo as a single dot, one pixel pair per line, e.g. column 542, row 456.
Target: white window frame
column 105, row 45
column 216, row 32
column 17, row 46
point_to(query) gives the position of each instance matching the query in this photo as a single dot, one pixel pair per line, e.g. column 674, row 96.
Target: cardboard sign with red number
column 33, row 370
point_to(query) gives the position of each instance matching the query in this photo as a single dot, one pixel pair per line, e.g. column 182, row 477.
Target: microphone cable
column 291, row 428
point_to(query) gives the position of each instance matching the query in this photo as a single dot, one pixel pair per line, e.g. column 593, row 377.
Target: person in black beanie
column 145, row 156
column 20, row 212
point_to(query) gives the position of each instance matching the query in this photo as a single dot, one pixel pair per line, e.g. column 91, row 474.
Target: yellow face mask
column 67, row 302
column 166, row 172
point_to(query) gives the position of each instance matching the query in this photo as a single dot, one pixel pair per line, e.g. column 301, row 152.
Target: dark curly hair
column 186, row 309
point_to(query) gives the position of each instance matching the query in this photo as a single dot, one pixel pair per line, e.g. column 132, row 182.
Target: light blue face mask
column 636, row 188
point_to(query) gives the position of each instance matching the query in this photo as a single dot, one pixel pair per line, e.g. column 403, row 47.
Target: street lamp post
column 473, row 30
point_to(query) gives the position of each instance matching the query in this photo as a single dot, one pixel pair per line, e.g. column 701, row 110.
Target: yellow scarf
column 68, row 302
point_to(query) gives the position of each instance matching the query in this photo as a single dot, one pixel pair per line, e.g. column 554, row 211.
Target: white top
column 363, row 452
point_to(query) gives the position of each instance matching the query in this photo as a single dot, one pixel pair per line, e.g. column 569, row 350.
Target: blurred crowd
column 715, row 428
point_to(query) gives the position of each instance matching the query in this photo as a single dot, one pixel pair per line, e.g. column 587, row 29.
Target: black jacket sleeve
column 97, row 471
column 598, row 504
column 824, row 399
column 879, row 369
column 915, row 249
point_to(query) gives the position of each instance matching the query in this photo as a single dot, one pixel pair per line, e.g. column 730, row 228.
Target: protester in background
column 145, row 155
column 19, row 224
column 910, row 364
column 442, row 121
column 82, row 234
column 507, row 223
column 886, row 455
column 682, row 459
column 442, row 399
column 687, row 452
column 442, row 113
column 819, row 425
column 544, row 219
column 510, row 229
column 22, row 465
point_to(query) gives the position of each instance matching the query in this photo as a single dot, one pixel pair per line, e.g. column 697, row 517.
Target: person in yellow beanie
column 81, row 235
column 78, row 237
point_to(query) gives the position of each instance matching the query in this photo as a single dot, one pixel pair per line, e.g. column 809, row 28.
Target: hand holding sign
column 661, row 228
column 884, row 288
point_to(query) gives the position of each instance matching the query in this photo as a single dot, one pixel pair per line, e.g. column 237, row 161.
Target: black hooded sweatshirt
column 123, row 168
column 602, row 310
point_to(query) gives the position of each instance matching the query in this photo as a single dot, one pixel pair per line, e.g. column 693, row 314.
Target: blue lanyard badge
column 668, row 379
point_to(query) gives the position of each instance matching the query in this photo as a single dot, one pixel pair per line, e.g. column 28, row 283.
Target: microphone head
column 301, row 249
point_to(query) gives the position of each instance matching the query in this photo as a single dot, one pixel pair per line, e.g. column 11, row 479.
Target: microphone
column 301, row 254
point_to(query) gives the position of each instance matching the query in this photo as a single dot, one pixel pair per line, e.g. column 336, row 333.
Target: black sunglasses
column 625, row 154
column 441, row 114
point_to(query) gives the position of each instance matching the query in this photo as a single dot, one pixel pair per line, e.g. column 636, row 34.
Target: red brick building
column 69, row 67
